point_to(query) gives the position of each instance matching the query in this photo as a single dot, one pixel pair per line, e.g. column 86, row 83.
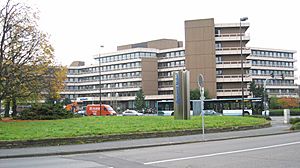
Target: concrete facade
column 200, row 53
column 210, row 49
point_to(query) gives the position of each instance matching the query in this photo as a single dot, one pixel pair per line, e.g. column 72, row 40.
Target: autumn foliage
column 288, row 102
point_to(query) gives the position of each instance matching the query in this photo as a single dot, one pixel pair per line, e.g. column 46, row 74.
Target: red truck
column 94, row 110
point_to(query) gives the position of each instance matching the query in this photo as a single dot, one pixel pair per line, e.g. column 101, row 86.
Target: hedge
column 45, row 112
column 279, row 112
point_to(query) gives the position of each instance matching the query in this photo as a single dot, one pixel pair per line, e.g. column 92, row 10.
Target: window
column 219, row 72
column 218, row 59
column 218, row 45
column 217, row 32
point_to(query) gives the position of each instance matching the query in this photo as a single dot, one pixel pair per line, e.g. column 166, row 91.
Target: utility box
column 197, row 108
column 286, row 115
column 181, row 89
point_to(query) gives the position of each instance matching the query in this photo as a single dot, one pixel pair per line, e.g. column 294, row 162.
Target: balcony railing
column 231, row 35
column 96, row 89
column 106, row 79
column 165, row 86
column 231, row 48
column 232, row 92
column 233, row 78
column 233, row 64
column 173, row 66
column 270, row 65
column 97, row 72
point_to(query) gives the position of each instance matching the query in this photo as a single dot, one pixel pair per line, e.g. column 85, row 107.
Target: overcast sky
column 79, row 27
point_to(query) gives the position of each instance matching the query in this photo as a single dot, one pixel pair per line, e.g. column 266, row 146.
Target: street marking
column 222, row 153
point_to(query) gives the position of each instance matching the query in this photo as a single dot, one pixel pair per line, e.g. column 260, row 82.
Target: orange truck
column 72, row 107
column 94, row 109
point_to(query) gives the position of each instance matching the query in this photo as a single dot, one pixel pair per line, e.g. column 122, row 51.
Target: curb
column 106, row 138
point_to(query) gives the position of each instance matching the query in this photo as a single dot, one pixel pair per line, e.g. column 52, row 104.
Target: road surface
column 269, row 151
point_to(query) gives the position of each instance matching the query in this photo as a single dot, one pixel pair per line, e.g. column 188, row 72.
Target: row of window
column 113, row 94
column 272, row 54
column 272, row 63
column 106, row 86
column 280, row 91
column 170, row 64
column 274, row 82
column 165, row 74
column 220, row 72
column 126, row 56
column 168, row 92
column 269, row 72
column 105, row 68
column 106, row 77
column 165, row 84
column 172, row 54
column 120, row 66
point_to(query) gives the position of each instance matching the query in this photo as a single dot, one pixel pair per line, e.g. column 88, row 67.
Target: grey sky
column 79, row 27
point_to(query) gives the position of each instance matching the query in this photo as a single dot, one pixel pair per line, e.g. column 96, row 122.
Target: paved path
column 277, row 128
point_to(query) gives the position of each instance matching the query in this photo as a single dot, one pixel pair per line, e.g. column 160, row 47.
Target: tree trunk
column 14, row 106
column 0, row 107
column 7, row 108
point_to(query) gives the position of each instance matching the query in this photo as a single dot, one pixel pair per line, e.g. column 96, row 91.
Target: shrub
column 279, row 112
column 45, row 112
column 296, row 126
column 294, row 120
column 261, row 116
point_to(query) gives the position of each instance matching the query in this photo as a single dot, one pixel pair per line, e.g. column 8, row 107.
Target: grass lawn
column 92, row 126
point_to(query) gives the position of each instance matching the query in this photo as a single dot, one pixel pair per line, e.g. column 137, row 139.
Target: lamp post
column 242, row 62
column 100, row 80
column 265, row 98
column 201, row 88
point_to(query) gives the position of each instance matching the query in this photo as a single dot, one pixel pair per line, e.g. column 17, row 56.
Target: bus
column 230, row 106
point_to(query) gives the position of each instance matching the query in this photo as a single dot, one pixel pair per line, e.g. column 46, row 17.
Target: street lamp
column 201, row 88
column 265, row 98
column 100, row 80
column 242, row 62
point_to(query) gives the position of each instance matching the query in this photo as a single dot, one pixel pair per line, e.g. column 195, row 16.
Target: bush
column 294, row 120
column 261, row 116
column 45, row 112
column 296, row 126
column 279, row 112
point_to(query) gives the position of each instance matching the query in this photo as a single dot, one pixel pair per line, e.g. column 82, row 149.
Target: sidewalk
column 277, row 128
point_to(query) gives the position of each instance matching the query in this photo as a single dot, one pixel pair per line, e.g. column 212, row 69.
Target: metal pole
column 201, row 87
column 242, row 67
column 265, row 97
column 202, row 110
column 100, row 82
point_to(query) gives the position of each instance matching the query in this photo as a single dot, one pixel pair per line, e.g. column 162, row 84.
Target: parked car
column 82, row 112
column 131, row 113
column 211, row 112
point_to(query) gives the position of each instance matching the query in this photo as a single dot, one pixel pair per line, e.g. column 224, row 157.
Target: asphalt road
column 268, row 151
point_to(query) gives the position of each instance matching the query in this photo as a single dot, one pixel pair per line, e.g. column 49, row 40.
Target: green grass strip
column 93, row 126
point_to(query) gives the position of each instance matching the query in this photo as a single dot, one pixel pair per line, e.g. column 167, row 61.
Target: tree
column 54, row 82
column 25, row 53
column 140, row 100
column 195, row 94
column 256, row 90
column 288, row 102
column 273, row 103
column 66, row 101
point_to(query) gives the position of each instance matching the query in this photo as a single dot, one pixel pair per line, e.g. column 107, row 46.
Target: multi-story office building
column 278, row 67
column 214, row 50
